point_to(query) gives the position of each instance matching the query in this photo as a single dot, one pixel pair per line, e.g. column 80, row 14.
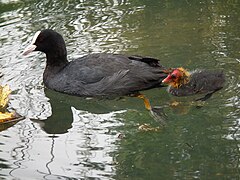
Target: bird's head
column 47, row 41
column 51, row 43
column 177, row 77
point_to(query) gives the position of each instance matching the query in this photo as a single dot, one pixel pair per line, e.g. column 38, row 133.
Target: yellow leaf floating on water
column 4, row 95
column 6, row 116
column 147, row 127
column 174, row 103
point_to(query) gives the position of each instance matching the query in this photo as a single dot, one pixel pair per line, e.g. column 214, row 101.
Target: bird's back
column 103, row 74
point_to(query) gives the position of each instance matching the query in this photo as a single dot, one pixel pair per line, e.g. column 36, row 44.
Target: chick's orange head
column 177, row 77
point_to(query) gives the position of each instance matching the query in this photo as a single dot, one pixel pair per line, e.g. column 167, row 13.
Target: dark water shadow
column 62, row 116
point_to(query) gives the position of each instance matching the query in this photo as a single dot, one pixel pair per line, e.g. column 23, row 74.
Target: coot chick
column 184, row 83
column 92, row 75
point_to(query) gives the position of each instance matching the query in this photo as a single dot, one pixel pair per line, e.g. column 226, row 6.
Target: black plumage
column 99, row 74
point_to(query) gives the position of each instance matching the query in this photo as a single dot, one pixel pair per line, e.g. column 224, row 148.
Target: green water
column 65, row 137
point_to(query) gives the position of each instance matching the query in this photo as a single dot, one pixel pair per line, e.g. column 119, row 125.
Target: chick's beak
column 167, row 79
column 29, row 49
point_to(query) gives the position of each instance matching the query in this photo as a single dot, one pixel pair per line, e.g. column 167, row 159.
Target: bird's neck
column 57, row 59
column 54, row 65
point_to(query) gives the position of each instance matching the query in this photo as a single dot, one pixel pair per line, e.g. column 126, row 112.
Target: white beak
column 30, row 48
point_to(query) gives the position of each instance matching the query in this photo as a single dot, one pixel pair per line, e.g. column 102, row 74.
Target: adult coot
column 99, row 74
column 184, row 83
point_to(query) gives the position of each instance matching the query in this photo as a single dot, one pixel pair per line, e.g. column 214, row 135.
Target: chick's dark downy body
column 200, row 82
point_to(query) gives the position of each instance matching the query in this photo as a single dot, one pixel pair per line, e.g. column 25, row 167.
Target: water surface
column 69, row 137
